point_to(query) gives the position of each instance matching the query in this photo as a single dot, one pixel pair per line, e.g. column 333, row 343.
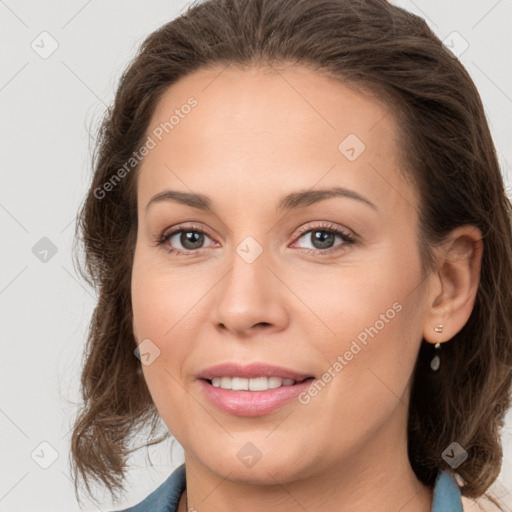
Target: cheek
column 368, row 362
column 374, row 316
column 158, row 316
column 160, row 298
column 165, row 304
column 364, row 302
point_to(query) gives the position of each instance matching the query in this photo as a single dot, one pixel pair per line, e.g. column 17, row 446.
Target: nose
column 250, row 298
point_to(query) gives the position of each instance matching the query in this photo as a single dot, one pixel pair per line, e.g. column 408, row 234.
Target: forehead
column 288, row 126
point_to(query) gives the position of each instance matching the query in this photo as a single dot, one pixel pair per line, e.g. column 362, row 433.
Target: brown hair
column 449, row 156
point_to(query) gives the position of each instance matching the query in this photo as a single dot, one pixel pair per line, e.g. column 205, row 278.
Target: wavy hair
column 447, row 152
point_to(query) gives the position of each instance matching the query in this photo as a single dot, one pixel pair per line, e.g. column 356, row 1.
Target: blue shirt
column 166, row 497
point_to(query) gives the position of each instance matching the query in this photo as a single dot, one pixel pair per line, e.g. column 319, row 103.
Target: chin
column 256, row 467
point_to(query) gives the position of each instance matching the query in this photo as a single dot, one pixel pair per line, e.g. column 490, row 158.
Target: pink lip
column 250, row 371
column 251, row 403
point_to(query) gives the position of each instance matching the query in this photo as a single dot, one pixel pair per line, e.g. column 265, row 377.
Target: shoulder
column 166, row 496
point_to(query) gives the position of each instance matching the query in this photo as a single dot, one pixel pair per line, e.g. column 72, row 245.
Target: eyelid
column 327, row 226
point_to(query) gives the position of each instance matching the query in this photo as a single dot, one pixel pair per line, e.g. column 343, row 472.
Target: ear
column 454, row 284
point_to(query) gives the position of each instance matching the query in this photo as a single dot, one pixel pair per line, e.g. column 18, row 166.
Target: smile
column 253, row 384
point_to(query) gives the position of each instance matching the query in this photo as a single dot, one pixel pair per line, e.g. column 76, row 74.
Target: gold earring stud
column 438, row 328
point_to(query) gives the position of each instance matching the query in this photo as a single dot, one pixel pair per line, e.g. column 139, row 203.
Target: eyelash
column 324, row 227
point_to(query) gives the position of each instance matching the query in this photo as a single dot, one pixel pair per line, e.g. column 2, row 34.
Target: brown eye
column 184, row 240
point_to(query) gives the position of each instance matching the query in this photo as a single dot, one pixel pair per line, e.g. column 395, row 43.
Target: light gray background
column 50, row 106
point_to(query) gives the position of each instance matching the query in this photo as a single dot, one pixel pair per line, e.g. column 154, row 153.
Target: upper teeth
column 255, row 384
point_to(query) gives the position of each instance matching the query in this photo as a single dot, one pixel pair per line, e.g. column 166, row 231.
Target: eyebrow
column 294, row 200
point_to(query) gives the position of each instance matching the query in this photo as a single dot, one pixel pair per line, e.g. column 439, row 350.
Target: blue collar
column 447, row 496
column 166, row 497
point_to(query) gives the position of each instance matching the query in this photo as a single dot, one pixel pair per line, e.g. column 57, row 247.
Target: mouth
column 251, row 390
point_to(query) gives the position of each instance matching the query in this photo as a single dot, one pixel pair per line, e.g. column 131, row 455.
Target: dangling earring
column 436, row 361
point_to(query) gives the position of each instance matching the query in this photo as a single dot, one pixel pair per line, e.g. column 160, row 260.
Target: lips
column 230, row 387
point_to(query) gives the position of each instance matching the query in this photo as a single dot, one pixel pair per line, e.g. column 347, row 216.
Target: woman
column 302, row 247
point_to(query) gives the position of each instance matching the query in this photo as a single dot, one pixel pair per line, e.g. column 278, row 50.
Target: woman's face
column 299, row 259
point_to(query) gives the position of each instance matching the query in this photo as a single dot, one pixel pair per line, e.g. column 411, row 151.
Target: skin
column 254, row 136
